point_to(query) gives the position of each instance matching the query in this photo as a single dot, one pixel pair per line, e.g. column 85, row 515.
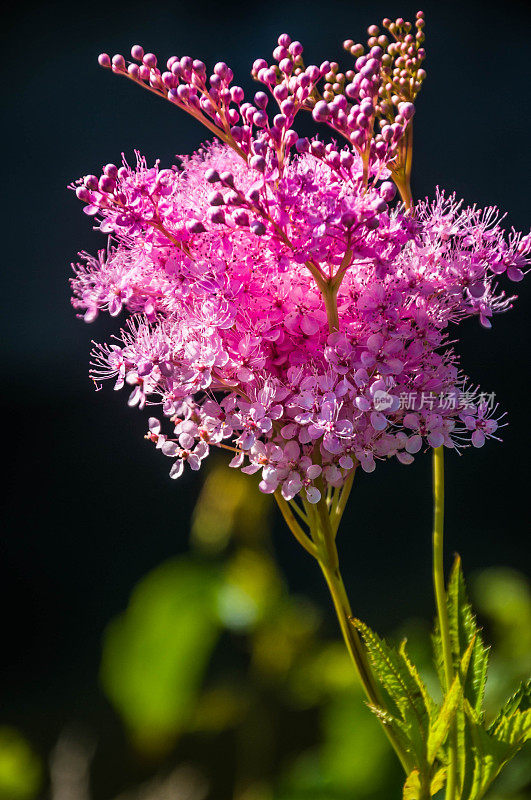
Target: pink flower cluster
column 278, row 306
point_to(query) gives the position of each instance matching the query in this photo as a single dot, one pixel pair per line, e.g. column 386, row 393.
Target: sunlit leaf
column 470, row 661
column 492, row 750
column 441, row 726
column 404, row 687
column 412, row 786
column 438, row 781
column 463, row 631
column 428, row 701
column 519, row 701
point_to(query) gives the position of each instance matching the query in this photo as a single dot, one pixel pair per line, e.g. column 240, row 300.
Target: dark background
column 90, row 508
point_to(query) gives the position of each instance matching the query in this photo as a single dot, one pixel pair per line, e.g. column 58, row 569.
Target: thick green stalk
column 442, row 608
column 330, row 298
column 322, row 532
column 330, row 568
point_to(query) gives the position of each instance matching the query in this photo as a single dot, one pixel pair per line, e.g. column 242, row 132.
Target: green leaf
column 404, row 687
column 438, row 658
column 519, row 701
column 470, row 661
column 412, row 786
column 464, row 743
column 399, row 727
column 429, row 704
column 463, row 632
column 438, row 781
column 492, row 750
column 441, row 726
column 514, row 730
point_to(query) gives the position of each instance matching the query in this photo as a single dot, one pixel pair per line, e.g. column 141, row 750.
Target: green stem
column 357, row 652
column 353, row 642
column 321, row 544
column 294, row 526
column 339, row 507
column 329, row 563
column 330, row 298
column 442, row 609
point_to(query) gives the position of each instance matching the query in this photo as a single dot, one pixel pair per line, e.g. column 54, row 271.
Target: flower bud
column 227, row 178
column 118, row 63
column 241, row 218
column 216, row 215
column 82, row 193
column 216, row 199
column 407, row 110
column 258, row 228
column 150, row 60
column 107, row 184
column 321, row 111
column 258, row 163
column 91, row 182
column 388, row 191
column 194, row 226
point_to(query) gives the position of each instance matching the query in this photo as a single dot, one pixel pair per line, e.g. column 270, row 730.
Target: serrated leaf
column 464, row 749
column 463, row 631
column 514, row 730
column 519, row 701
column 465, row 660
column 470, row 661
column 393, row 672
column 399, row 727
column 438, row 658
column 427, row 699
column 491, row 751
column 441, row 726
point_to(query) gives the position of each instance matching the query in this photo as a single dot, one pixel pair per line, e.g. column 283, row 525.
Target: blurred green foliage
column 20, row 767
column 277, row 663
column 214, row 655
column 156, row 652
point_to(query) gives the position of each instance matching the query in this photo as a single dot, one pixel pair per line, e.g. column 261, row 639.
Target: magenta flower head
column 277, row 305
column 285, row 300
